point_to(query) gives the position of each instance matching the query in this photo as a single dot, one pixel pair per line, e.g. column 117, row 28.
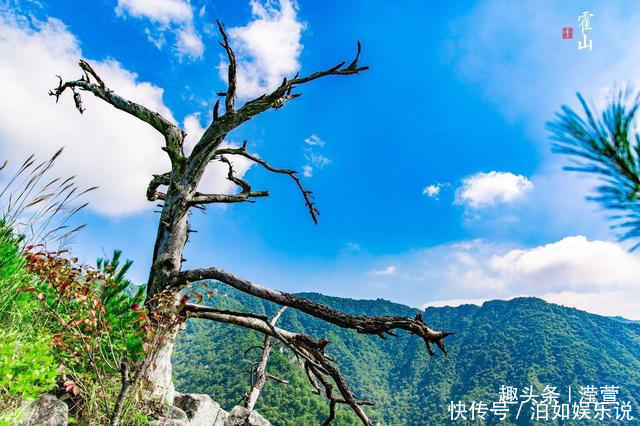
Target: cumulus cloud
column 598, row 276
column 389, row 270
column 571, row 263
column 174, row 16
column 267, row 48
column 104, row 146
column 488, row 189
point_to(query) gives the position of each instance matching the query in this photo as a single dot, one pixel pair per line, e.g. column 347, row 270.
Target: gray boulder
column 200, row 408
column 172, row 417
column 47, row 410
column 221, row 418
column 240, row 416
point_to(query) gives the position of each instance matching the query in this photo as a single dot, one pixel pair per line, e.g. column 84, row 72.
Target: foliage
column 67, row 327
column 608, row 146
column 27, row 367
column 95, row 325
column 516, row 343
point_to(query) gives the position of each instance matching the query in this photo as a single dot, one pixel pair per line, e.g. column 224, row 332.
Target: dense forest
column 518, row 343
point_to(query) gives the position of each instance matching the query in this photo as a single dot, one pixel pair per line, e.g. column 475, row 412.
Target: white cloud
column 314, row 140
column 571, row 263
column 598, row 276
column 175, row 16
column 433, row 190
column 389, row 270
column 189, row 44
column 104, row 146
column 307, row 171
column 267, row 49
column 488, row 189
column 609, row 303
column 162, row 11
column 314, row 159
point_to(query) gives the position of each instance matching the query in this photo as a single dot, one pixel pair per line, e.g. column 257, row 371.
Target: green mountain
column 521, row 342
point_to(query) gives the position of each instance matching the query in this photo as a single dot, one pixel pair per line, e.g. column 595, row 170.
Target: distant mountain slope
column 515, row 343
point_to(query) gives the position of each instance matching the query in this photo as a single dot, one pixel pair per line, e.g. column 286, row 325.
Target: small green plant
column 27, row 367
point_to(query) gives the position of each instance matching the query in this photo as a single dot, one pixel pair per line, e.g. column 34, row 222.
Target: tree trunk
column 167, row 260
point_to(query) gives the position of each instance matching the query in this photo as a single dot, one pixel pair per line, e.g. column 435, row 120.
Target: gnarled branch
column 172, row 134
column 240, row 197
column 221, row 126
column 376, row 325
column 313, row 211
column 231, row 76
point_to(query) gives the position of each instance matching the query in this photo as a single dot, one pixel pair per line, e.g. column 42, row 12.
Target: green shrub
column 27, row 365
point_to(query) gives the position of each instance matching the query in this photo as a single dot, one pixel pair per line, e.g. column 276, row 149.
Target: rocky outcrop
column 47, row 410
column 174, row 416
column 240, row 416
column 200, row 408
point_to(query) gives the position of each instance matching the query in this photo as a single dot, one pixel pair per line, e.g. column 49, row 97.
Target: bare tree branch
column 261, row 368
column 242, row 196
column 277, row 379
column 231, row 89
column 313, row 211
column 376, row 325
column 172, row 134
column 222, row 125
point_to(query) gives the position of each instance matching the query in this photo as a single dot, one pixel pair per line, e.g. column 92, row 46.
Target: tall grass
column 38, row 207
column 35, row 210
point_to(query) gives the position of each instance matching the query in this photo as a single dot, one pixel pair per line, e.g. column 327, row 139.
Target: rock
column 47, row 410
column 240, row 416
column 173, row 417
column 200, row 408
column 168, row 422
column 221, row 418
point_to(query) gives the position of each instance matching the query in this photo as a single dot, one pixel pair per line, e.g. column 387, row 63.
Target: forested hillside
column 517, row 343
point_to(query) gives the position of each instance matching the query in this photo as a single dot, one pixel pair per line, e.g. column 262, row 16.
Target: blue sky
column 432, row 171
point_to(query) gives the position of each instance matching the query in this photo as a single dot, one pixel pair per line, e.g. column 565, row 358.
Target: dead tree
column 177, row 189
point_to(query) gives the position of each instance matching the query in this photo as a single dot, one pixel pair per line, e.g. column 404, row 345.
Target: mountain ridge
column 514, row 343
